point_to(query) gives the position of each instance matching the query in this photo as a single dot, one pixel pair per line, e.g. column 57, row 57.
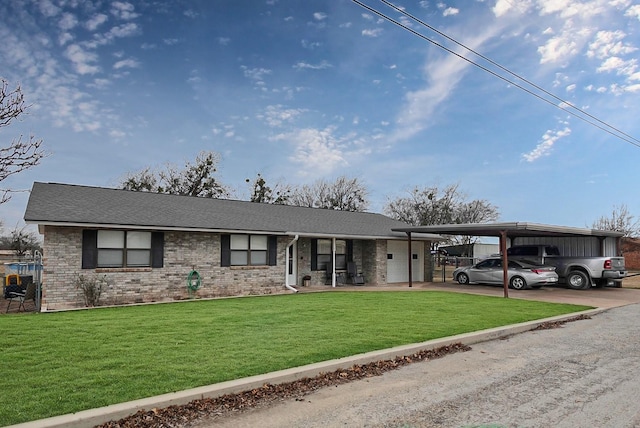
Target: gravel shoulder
column 584, row 374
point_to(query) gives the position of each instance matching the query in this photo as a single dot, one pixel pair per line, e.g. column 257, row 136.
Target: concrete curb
column 93, row 417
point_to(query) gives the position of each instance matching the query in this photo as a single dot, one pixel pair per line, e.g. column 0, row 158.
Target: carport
column 510, row 230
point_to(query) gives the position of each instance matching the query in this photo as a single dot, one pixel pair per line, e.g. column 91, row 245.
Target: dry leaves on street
column 183, row 415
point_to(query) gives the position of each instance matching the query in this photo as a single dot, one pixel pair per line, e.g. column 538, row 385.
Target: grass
column 58, row 363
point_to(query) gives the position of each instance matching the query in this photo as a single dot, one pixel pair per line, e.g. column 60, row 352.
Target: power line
column 595, row 122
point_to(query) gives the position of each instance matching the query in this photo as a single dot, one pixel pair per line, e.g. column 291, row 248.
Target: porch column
column 410, row 264
column 333, row 262
column 505, row 262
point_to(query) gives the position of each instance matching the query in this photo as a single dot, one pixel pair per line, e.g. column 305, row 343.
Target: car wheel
column 462, row 278
column 518, row 283
column 577, row 280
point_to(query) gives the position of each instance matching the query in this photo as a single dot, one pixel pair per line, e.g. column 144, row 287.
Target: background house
column 147, row 244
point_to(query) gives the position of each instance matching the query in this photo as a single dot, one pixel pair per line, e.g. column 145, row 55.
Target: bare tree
column 345, row 194
column 620, row 220
column 21, row 241
column 261, row 192
column 427, row 206
column 433, row 206
column 19, row 155
column 196, row 179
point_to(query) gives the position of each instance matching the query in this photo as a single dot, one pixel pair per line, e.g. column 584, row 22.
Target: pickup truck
column 578, row 273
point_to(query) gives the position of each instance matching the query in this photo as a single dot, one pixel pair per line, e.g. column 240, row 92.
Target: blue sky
column 299, row 91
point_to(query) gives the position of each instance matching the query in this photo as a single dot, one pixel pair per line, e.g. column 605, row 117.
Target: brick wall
column 184, row 251
column 630, row 248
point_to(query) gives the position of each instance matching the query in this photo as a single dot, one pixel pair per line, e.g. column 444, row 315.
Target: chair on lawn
column 354, row 277
column 22, row 296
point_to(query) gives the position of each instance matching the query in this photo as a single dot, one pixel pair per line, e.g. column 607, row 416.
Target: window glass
column 239, row 258
column 138, row 239
column 258, row 258
column 324, row 246
column 110, row 258
column 324, row 254
column 138, row 258
column 258, row 242
column 239, row 242
column 110, row 239
column 118, row 248
column 323, row 259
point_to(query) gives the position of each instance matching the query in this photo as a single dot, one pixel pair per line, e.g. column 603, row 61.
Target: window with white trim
column 249, row 250
column 119, row 248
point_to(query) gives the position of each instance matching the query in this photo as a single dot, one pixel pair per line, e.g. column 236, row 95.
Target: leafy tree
column 261, row 192
column 19, row 155
column 196, row 179
column 432, row 206
column 620, row 220
column 345, row 194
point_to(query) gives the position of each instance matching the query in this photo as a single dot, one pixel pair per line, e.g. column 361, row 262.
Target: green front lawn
column 57, row 363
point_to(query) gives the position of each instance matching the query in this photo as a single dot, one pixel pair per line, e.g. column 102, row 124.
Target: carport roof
column 512, row 229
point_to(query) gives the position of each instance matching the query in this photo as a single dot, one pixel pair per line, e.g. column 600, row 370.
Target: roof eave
column 426, row 237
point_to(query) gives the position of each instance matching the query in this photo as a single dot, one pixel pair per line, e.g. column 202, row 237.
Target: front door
column 292, row 264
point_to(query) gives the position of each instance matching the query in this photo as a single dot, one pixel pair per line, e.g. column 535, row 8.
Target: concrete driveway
column 597, row 297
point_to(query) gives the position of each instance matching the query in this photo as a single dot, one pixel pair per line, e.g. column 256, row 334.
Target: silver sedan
column 522, row 274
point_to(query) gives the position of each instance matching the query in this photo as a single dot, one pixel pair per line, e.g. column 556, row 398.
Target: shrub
column 91, row 287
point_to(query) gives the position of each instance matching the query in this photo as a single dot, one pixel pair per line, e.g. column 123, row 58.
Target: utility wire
column 407, row 14
column 621, row 135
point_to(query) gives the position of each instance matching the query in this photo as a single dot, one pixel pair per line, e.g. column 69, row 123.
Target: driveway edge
column 93, row 417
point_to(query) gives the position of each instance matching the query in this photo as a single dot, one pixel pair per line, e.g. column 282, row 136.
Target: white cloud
column 309, row 45
column 277, row 115
column 82, row 59
column 124, row 30
column 67, row 21
column 319, row 16
column 442, row 76
column 65, row 38
column 318, row 151
column 558, row 48
column 546, row 145
column 373, row 32
column 123, row 10
column 47, row 8
column 96, row 21
column 503, row 7
column 633, row 11
column 619, row 66
column 304, row 65
column 609, row 43
column 450, row 11
column 224, row 41
column 190, row 13
column 117, row 134
column 257, row 74
column 128, row 63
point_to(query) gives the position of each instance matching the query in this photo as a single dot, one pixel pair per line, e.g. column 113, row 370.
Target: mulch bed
column 182, row 415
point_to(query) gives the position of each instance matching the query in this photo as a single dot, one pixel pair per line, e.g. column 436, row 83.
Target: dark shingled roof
column 65, row 204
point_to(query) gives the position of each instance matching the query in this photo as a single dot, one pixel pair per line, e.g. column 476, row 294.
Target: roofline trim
column 509, row 227
column 230, row 231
